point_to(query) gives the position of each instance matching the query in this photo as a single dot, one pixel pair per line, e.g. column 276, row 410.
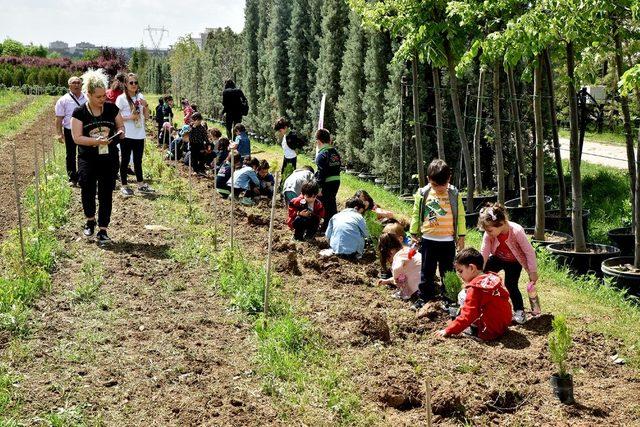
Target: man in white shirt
column 64, row 108
column 290, row 156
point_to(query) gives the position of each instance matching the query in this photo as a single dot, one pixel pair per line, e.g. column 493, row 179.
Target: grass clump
column 15, row 123
column 91, row 279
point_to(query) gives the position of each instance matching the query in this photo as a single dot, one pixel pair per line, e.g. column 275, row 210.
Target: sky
column 118, row 23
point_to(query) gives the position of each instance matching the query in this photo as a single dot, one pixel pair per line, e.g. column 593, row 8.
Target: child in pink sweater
column 505, row 246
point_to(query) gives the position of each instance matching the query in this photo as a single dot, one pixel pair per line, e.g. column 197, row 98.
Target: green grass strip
column 14, row 124
column 9, row 97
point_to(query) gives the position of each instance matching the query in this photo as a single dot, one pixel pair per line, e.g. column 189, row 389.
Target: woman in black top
column 234, row 104
column 94, row 127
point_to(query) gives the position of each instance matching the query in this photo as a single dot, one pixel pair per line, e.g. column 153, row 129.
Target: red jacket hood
column 488, row 281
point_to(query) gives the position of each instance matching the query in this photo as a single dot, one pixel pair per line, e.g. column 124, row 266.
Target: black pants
column 328, row 199
column 96, row 173
column 305, row 226
column 286, row 162
column 230, row 122
column 71, row 155
column 512, row 272
column 435, row 255
column 159, row 132
column 128, row 146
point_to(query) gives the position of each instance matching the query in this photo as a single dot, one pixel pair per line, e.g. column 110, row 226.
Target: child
column 180, row 143
column 371, row 209
column 241, row 141
column 329, row 162
column 293, row 184
column 222, row 153
column 224, row 175
column 267, row 182
column 214, row 137
column 486, row 310
column 405, row 265
column 397, row 229
column 305, row 213
column 245, row 180
column 197, row 143
column 505, row 247
column 347, row 230
column 438, row 214
column 290, row 156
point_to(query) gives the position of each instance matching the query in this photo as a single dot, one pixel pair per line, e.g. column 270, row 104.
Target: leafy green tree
column 12, row 47
column 90, row 55
column 36, row 50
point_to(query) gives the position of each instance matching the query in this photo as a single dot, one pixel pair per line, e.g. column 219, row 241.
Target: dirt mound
column 375, row 327
column 255, row 219
column 447, row 404
column 400, row 390
column 430, row 311
column 290, row 265
column 284, row 246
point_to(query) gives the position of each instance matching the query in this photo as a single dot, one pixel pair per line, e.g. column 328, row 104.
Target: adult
column 328, row 162
column 64, row 109
column 94, row 126
column 134, row 111
column 117, row 88
column 235, row 105
column 159, row 116
column 290, row 155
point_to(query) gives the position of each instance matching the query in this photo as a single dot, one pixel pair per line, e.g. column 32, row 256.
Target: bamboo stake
column 427, row 385
column 213, row 205
column 190, row 184
column 18, row 207
column 44, row 161
column 232, row 197
column 36, row 170
column 269, row 248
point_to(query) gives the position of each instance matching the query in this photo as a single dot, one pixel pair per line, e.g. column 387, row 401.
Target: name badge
column 103, row 149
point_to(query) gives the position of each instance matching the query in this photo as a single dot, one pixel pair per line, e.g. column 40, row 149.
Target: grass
column 9, row 97
column 90, row 281
column 14, row 124
column 610, row 138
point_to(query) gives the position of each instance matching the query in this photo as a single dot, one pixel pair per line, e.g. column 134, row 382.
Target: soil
column 626, row 268
column 41, row 130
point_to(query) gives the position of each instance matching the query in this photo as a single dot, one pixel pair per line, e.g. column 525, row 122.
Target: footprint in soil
column 375, row 327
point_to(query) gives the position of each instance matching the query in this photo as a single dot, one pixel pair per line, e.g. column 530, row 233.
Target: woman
column 134, row 111
column 235, row 105
column 94, row 127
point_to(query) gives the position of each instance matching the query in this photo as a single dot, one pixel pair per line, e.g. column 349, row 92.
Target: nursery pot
column 624, row 239
column 471, row 219
column 555, row 237
column 583, row 262
column 480, row 200
column 525, row 216
column 408, row 198
column 554, row 221
column 563, row 388
column 379, row 181
column 624, row 279
column 392, row 187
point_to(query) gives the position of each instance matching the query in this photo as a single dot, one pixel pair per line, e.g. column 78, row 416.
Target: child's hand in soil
column 441, row 334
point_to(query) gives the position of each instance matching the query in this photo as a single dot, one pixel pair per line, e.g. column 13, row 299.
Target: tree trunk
column 562, row 193
column 579, row 243
column 439, row 130
column 636, row 199
column 455, row 101
column 477, row 133
column 537, row 116
column 416, row 119
column 515, row 117
column 497, row 135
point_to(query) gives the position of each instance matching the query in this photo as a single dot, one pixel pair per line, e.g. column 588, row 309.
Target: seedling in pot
column 559, row 346
column 452, row 287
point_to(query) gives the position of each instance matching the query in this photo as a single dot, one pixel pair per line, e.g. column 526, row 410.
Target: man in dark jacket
column 234, row 105
column 328, row 175
column 159, row 116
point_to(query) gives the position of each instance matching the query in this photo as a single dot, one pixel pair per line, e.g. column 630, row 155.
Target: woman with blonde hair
column 95, row 126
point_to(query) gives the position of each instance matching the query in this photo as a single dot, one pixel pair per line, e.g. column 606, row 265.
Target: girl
column 372, row 210
column 222, row 152
column 241, row 141
column 405, row 265
column 134, row 110
column 505, row 247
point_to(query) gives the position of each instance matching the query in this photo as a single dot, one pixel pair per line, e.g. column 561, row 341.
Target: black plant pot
column 471, row 219
column 480, row 201
column 567, row 238
column 554, row 221
column 623, row 279
column 524, row 216
column 392, row 187
column 624, row 239
column 563, row 388
column 583, row 262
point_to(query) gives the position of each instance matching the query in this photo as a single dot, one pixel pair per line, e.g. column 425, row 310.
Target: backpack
column 244, row 105
column 295, row 141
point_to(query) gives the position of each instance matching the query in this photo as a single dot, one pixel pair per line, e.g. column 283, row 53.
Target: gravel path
column 601, row 154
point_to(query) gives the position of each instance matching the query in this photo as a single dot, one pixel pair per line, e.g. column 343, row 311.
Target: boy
column 241, row 141
column 290, row 156
column 328, row 175
column 486, row 310
column 199, row 139
column 305, row 213
column 246, row 180
column 267, row 181
column 438, row 214
column 224, row 175
column 294, row 182
column 347, row 230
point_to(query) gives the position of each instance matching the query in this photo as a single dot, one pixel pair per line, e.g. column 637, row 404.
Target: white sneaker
column 519, row 317
column 126, row 192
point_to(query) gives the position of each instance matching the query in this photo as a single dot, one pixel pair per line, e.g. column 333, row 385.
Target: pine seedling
column 560, row 344
column 452, row 285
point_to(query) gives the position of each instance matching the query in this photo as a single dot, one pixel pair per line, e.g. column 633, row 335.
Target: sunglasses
column 133, row 83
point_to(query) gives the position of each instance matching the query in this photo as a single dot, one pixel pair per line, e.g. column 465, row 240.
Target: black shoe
column 418, row 304
column 89, row 228
column 102, row 237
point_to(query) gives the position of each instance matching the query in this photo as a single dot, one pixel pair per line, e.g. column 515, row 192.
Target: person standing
column 117, row 87
column 94, row 127
column 167, row 117
column 290, row 155
column 235, row 105
column 64, row 108
column 328, row 175
column 159, row 116
column 134, row 111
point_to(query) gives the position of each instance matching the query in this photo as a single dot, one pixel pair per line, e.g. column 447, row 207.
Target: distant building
column 58, row 45
column 200, row 41
column 85, row 45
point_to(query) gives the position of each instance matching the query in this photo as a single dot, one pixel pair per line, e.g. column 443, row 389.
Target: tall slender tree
column 279, row 55
column 299, row 45
column 251, row 26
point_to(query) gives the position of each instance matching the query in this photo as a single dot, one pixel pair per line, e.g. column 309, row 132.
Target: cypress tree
column 315, row 33
column 299, row 44
column 264, row 104
column 279, row 57
column 251, row 26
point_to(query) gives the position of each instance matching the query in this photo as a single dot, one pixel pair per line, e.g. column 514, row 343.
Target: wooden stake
column 427, row 385
column 18, row 205
column 36, row 170
column 270, row 245
column 213, row 205
column 175, row 155
column 190, row 183
column 44, row 161
column 232, row 197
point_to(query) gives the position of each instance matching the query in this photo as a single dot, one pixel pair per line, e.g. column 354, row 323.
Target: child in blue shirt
column 267, row 182
column 241, row 141
column 347, row 230
column 246, row 179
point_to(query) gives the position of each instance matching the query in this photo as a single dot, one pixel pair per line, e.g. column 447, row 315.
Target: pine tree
column 263, row 116
column 299, row 44
column 349, row 114
column 279, row 57
column 315, row 33
column 251, row 25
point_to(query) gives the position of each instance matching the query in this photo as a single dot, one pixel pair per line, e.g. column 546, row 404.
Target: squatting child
column 305, row 212
column 405, row 265
column 347, row 230
column 224, row 174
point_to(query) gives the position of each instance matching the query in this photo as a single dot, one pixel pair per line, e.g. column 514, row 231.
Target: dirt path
column 601, row 154
column 41, row 128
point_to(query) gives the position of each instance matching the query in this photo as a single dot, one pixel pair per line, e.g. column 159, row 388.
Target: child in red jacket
column 305, row 212
column 486, row 309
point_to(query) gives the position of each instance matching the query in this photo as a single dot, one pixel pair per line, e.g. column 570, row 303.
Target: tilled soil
column 41, row 130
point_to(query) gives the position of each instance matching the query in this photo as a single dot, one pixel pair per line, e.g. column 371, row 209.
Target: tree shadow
column 147, row 250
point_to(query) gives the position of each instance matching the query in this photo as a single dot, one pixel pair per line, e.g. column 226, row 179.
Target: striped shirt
column 437, row 223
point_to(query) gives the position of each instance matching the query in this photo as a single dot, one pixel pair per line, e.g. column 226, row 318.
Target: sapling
column 560, row 344
column 452, row 285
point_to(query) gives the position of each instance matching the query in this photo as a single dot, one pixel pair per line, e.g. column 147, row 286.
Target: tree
column 299, row 46
column 279, row 57
column 12, row 47
column 251, row 24
column 90, row 55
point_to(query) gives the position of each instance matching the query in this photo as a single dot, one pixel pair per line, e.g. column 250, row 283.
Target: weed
column 91, row 279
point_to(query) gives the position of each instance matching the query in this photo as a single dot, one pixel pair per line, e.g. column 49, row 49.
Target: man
column 328, row 175
column 63, row 109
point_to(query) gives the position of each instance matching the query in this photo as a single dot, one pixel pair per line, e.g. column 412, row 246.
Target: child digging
column 486, row 312
column 505, row 247
column 438, row 214
column 305, row 213
column 405, row 265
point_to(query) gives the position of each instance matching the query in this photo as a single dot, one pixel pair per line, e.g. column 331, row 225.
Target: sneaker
column 89, row 228
column 126, row 192
column 102, row 237
column 397, row 295
column 247, row 201
column 519, row 317
column 418, row 304
column 144, row 188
